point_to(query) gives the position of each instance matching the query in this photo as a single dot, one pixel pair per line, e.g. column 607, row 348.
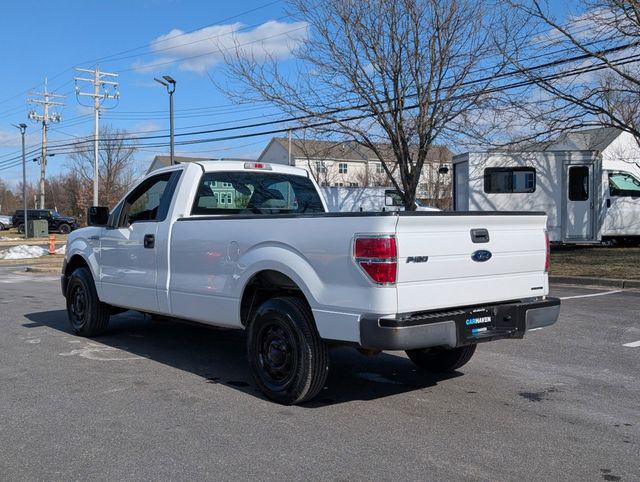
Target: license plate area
column 485, row 324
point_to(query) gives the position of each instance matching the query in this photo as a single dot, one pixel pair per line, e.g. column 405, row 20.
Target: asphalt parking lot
column 162, row 400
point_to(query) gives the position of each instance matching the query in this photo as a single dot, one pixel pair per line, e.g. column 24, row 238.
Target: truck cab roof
column 212, row 166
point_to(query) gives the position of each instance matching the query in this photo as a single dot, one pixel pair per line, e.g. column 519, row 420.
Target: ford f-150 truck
column 251, row 246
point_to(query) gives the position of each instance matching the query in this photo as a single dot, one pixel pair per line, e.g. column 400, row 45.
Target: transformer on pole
column 44, row 99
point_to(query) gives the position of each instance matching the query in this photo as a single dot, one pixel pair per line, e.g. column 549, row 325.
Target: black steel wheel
column 21, row 228
column 65, row 228
column 87, row 315
column 441, row 359
column 288, row 358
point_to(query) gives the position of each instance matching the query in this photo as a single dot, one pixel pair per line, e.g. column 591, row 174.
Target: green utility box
column 37, row 228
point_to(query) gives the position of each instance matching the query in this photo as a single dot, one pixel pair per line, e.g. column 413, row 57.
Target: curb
column 603, row 282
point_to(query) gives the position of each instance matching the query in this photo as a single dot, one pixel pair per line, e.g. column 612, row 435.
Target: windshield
column 623, row 184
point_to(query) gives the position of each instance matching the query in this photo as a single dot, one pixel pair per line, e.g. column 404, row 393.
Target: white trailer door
column 578, row 202
column 461, row 186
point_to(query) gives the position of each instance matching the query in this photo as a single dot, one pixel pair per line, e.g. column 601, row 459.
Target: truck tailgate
column 437, row 269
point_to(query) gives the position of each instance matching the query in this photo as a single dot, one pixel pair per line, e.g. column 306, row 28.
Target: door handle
column 94, row 237
column 149, row 241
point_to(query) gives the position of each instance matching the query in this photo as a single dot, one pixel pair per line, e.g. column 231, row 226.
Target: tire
column 21, row 228
column 87, row 314
column 441, row 359
column 2, row 227
column 64, row 229
column 288, row 359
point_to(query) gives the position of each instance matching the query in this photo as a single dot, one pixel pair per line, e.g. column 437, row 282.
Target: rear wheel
column 65, row 228
column 87, row 314
column 21, row 228
column 440, row 359
column 288, row 358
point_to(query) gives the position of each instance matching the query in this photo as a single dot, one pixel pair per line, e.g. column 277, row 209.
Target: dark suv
column 57, row 223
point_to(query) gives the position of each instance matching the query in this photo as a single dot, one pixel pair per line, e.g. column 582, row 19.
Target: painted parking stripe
column 633, row 344
column 591, row 295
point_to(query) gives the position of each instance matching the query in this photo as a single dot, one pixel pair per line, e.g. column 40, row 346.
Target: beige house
column 351, row 165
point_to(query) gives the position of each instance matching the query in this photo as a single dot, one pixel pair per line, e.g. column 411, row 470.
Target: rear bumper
column 458, row 327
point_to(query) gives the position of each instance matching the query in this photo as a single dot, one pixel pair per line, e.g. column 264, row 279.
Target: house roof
column 348, row 150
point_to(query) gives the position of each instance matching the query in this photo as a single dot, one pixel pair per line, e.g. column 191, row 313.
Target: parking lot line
column 591, row 294
column 633, row 344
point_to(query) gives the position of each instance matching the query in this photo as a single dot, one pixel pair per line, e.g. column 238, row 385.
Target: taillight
column 547, row 260
column 378, row 257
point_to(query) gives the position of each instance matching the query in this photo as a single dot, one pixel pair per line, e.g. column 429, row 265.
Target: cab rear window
column 255, row 193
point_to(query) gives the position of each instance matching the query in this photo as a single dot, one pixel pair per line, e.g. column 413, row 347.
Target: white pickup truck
column 251, row 246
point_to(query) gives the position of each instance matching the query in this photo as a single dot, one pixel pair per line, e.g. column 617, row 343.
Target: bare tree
column 382, row 72
column 117, row 167
column 599, row 86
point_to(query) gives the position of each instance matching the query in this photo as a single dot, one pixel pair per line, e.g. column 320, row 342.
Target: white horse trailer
column 589, row 196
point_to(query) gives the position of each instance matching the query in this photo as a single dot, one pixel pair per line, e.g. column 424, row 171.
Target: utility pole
column 99, row 94
column 170, row 84
column 23, row 129
column 45, row 101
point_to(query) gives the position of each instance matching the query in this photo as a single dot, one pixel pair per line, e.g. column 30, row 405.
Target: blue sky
column 43, row 38
column 139, row 40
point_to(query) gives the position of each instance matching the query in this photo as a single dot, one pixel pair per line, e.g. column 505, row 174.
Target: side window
column 144, row 202
column 509, row 180
column 622, row 184
column 578, row 183
column 392, row 198
column 255, row 193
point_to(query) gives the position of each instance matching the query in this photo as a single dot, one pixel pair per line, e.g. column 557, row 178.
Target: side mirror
column 97, row 216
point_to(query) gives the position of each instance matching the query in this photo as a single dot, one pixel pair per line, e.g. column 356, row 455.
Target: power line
column 505, row 74
column 519, row 84
column 339, row 110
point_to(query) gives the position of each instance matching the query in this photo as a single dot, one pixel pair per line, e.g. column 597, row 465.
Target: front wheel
column 65, row 229
column 288, row 358
column 87, row 314
column 440, row 359
column 21, row 228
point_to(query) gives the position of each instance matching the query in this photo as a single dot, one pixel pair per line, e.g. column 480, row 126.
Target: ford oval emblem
column 481, row 255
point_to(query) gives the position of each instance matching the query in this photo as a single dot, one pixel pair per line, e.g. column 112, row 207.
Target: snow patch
column 61, row 249
column 6, row 238
column 23, row 251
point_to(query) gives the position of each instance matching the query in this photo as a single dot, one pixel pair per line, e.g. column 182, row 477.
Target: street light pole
column 170, row 84
column 23, row 128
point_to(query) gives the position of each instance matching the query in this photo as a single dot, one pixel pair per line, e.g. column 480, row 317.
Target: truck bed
column 316, row 250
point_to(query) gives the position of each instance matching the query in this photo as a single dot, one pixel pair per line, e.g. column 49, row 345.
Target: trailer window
column 622, row 184
column 509, row 180
column 578, row 183
column 392, row 198
column 255, row 193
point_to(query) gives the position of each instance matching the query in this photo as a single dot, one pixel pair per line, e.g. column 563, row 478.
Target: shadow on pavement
column 219, row 356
